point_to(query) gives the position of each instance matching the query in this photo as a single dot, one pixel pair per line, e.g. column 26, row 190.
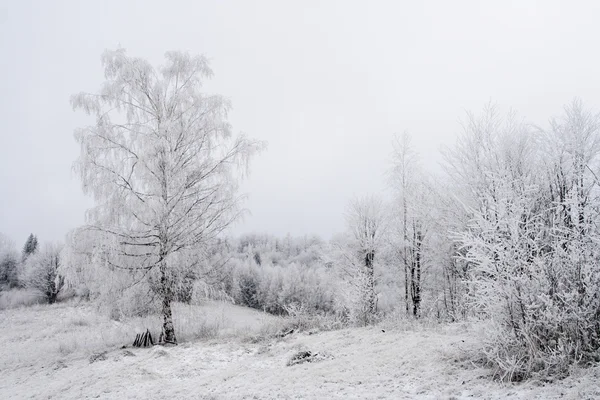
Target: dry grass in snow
column 46, row 354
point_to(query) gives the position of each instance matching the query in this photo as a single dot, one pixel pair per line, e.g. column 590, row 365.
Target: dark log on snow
column 143, row 339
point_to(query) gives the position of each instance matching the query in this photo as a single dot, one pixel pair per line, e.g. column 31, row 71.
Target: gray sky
column 325, row 83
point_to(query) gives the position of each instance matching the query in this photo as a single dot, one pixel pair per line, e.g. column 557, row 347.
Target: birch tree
column 161, row 163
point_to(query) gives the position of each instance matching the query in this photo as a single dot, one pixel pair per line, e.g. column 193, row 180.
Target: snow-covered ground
column 46, row 351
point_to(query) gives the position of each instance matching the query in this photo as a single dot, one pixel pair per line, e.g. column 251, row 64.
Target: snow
column 45, row 355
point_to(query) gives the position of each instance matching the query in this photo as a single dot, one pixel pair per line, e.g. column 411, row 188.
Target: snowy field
column 48, row 352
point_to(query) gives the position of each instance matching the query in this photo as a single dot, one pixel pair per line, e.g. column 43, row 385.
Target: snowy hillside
column 56, row 352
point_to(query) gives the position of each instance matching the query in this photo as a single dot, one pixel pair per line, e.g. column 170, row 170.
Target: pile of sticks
column 143, row 339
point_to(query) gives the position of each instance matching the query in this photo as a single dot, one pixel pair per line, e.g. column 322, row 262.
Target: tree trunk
column 405, row 231
column 167, row 292
column 369, row 259
column 406, row 280
column 168, row 320
column 51, row 291
column 417, row 276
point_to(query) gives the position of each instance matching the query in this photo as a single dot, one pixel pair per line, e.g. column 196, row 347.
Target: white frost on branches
column 161, row 163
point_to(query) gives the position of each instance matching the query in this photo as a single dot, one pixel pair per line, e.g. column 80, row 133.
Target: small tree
column 40, row 272
column 162, row 165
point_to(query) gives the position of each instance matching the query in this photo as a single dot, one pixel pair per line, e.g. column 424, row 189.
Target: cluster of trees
column 511, row 236
column 531, row 242
column 508, row 233
column 273, row 274
column 35, row 269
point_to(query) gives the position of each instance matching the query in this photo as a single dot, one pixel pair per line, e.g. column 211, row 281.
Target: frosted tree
column 366, row 221
column 40, row 272
column 572, row 304
column 411, row 208
column 532, row 243
column 496, row 159
column 444, row 255
column 488, row 143
column 161, row 163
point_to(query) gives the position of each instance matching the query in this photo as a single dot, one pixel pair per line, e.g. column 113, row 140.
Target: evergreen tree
column 30, row 247
column 8, row 269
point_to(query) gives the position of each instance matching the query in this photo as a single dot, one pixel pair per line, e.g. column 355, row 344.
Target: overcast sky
column 326, row 83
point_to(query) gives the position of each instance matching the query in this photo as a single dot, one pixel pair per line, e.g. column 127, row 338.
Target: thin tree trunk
column 369, row 259
column 52, row 298
column 168, row 328
column 417, row 277
column 165, row 281
column 168, row 321
column 406, row 285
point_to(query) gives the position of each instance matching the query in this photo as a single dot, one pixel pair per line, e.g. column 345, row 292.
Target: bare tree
column 412, row 199
column 161, row 163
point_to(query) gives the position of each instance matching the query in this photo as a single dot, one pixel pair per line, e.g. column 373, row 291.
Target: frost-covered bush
column 272, row 288
column 533, row 245
column 359, row 306
column 270, row 273
column 40, row 272
column 303, row 319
